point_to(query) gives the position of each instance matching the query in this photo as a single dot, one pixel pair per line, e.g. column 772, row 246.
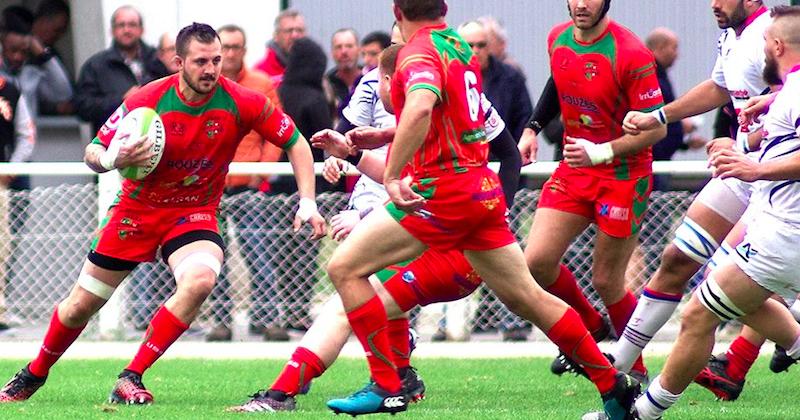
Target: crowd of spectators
column 294, row 73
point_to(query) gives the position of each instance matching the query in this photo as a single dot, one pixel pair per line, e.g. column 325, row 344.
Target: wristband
column 108, row 158
column 354, row 159
column 598, row 153
column 535, row 126
column 306, row 209
column 659, row 115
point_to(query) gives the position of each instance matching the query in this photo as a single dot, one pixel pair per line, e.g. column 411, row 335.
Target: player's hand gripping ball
column 136, row 124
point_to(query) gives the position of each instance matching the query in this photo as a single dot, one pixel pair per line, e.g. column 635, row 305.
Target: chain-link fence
column 272, row 277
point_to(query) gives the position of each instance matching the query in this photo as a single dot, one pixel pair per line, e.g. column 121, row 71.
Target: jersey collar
column 794, row 69
column 761, row 10
column 200, row 102
column 597, row 38
column 434, row 27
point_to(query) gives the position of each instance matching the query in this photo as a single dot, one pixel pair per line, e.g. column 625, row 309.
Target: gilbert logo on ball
column 139, row 122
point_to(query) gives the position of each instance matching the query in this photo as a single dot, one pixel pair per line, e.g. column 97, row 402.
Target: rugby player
column 600, row 71
column 175, row 207
column 443, row 196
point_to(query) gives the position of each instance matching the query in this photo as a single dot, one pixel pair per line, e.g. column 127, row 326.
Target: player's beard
column 771, row 73
column 595, row 19
column 735, row 19
column 197, row 87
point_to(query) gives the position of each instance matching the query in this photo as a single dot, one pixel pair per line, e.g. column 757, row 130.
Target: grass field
column 457, row 389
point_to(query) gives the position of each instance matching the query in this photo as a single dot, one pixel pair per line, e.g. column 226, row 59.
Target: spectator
column 303, row 99
column 111, row 75
column 664, row 45
column 371, row 47
column 166, row 52
column 289, row 27
column 302, row 94
column 498, row 41
column 50, row 23
column 242, row 196
column 502, row 84
column 346, row 72
column 17, row 138
column 31, row 66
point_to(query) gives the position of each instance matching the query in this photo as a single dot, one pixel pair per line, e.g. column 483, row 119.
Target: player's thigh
column 376, row 242
column 717, row 208
column 736, row 287
column 610, row 258
column 196, row 260
column 504, row 271
column 551, row 233
column 93, row 288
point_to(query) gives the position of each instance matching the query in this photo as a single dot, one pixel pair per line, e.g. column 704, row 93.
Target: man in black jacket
column 111, row 75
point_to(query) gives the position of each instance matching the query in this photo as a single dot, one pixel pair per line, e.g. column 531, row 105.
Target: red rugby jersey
column 438, row 59
column 598, row 83
column 201, row 139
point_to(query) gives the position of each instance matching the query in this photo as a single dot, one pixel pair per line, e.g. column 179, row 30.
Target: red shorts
column 433, row 277
column 133, row 232
column 465, row 211
column 616, row 206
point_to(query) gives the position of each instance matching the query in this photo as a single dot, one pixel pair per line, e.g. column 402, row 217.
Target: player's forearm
column 372, row 166
column 780, row 169
column 700, row 99
column 92, row 156
column 303, row 166
column 628, row 144
column 410, row 135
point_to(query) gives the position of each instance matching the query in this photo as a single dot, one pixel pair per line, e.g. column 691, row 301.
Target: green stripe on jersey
column 450, row 46
column 170, row 101
column 605, row 46
column 428, row 86
column 292, row 140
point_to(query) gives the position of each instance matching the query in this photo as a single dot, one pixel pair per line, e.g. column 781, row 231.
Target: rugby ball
column 135, row 124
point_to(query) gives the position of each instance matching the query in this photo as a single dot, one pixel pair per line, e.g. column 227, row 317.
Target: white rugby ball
column 135, row 124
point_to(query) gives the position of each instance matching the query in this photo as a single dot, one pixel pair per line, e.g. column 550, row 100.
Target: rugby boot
column 715, row 378
column 270, row 401
column 129, row 389
column 781, row 362
column 413, row 386
column 370, row 399
column 21, row 386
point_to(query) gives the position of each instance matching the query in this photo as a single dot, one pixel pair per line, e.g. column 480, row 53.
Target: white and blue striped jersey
column 781, row 199
column 740, row 65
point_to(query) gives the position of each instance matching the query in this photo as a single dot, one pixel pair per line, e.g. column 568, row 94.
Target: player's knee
column 696, row 319
column 676, row 264
column 199, row 281
column 76, row 311
column 338, row 270
column 542, row 266
column 607, row 285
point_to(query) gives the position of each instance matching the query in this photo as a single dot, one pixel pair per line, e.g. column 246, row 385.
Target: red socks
column 566, row 288
column 398, row 339
column 620, row 313
column 56, row 341
column 369, row 324
column 164, row 329
column 571, row 336
column 741, row 356
column 304, row 366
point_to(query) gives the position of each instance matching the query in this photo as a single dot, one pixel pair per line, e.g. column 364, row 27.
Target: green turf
column 457, row 389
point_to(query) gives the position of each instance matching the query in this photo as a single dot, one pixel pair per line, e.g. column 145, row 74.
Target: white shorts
column 770, row 255
column 727, row 197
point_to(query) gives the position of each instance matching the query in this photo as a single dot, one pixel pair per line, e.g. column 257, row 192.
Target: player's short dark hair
column 415, row 10
column 380, row 37
column 17, row 20
column 233, row 28
column 388, row 62
column 51, row 8
column 785, row 11
column 198, row 31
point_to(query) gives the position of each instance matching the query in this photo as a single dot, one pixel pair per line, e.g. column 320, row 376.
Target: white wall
column 254, row 16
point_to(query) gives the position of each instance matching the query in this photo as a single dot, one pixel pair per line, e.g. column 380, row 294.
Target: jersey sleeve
column 419, row 69
column 361, row 108
column 718, row 74
column 271, row 123
column 494, row 124
column 640, row 82
column 109, row 128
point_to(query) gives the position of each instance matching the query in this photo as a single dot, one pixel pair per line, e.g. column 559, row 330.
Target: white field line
column 261, row 350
